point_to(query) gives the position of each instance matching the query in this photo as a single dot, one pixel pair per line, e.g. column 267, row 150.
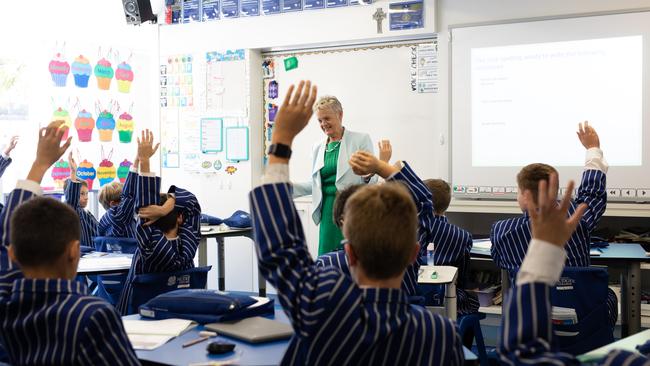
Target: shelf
column 511, row 207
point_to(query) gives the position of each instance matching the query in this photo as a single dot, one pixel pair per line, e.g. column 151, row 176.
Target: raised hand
column 48, row 150
column 295, row 112
column 587, row 135
column 364, row 163
column 73, row 166
column 385, row 150
column 548, row 220
column 11, row 145
column 146, row 148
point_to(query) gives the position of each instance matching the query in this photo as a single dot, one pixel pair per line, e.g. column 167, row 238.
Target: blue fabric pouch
column 204, row 306
column 210, row 220
column 239, row 219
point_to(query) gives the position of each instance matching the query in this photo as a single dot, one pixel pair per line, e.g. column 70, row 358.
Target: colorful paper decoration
column 87, row 172
column 124, row 77
column 105, row 126
column 59, row 69
column 84, row 123
column 61, row 114
column 81, row 70
column 123, row 170
column 231, row 170
column 104, row 74
column 60, row 173
column 106, row 170
column 273, row 89
column 125, row 127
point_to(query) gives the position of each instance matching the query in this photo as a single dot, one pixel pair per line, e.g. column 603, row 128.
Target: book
column 151, row 334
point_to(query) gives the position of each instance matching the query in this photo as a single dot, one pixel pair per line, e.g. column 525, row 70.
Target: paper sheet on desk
column 151, row 334
column 485, row 245
column 90, row 263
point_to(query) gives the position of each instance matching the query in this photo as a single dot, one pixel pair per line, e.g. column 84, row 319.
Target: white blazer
column 350, row 143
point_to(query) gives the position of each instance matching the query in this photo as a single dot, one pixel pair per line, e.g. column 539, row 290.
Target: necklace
column 335, row 146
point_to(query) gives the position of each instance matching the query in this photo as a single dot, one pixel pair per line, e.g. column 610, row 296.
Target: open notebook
column 151, row 334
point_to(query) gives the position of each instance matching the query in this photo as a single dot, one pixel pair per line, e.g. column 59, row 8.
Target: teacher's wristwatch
column 280, row 150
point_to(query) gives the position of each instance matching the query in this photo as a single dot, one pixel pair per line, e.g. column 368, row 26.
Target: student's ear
column 113, row 203
column 74, row 252
column 179, row 219
column 352, row 258
column 12, row 253
column 416, row 252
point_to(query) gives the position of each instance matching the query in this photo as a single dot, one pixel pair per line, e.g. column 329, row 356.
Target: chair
column 109, row 287
column 472, row 322
column 585, row 290
column 149, row 285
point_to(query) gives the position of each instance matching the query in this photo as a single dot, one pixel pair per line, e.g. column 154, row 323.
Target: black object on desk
column 217, row 348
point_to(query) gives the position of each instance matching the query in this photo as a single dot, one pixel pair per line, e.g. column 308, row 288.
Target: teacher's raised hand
column 295, row 112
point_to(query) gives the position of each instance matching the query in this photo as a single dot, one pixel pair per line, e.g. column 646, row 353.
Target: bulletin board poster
column 177, row 81
column 406, row 15
column 101, row 93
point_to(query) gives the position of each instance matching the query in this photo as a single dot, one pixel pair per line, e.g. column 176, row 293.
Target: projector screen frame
column 510, row 192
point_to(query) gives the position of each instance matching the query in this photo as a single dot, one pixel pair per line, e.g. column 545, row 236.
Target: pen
column 195, row 341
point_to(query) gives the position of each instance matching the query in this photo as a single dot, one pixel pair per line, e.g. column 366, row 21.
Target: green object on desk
column 434, row 275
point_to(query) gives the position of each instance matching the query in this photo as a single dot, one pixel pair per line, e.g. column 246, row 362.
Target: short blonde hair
column 381, row 226
column 110, row 192
column 328, row 102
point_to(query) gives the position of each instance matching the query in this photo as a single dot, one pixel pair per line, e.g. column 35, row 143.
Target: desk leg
column 261, row 283
column 221, row 257
column 451, row 305
column 203, row 252
column 631, row 300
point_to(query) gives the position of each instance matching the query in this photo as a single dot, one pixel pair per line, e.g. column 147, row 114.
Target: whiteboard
column 591, row 68
column 374, row 87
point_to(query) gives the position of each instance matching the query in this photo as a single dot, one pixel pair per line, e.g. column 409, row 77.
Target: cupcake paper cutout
column 87, row 172
column 81, row 70
column 105, row 126
column 104, row 74
column 124, row 77
column 125, row 127
column 62, row 115
column 59, row 69
column 106, row 172
column 123, row 170
column 84, row 123
column 60, row 173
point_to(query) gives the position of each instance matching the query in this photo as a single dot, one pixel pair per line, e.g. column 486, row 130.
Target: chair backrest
column 147, row 286
column 583, row 289
column 110, row 244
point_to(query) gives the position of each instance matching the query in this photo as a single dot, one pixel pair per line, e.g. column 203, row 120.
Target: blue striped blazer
column 119, row 221
column 155, row 252
column 88, row 221
column 53, row 321
column 4, row 163
column 527, row 332
column 510, row 237
column 335, row 321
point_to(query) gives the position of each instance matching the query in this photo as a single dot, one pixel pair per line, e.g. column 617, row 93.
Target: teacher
column 330, row 169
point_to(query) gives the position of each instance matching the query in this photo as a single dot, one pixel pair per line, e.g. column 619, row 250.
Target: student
column 119, row 202
column 47, row 317
column 168, row 232
column 451, row 244
column 76, row 195
column 527, row 335
column 364, row 318
column 510, row 237
column 5, row 159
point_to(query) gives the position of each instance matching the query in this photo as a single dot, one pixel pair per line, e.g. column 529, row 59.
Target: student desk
column 445, row 275
column 628, row 344
column 625, row 257
column 220, row 234
column 270, row 353
column 110, row 263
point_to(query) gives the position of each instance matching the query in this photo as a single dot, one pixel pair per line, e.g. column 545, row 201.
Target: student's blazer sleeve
column 107, row 342
column 592, row 191
column 423, row 203
column 190, row 229
column 4, row 163
column 148, row 191
column 284, row 259
column 126, row 208
column 72, row 193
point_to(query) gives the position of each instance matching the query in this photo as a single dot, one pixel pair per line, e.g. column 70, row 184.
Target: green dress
column 330, row 235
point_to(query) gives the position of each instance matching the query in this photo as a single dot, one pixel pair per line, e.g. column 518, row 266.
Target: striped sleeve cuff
column 544, row 263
